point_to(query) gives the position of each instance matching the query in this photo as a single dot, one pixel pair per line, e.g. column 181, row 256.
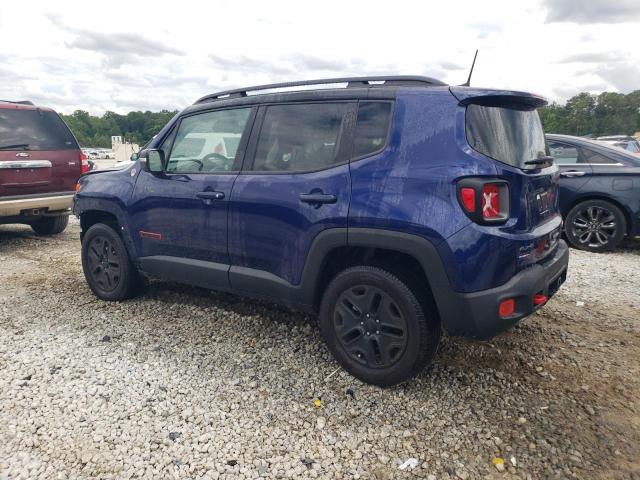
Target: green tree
column 609, row 113
column 137, row 127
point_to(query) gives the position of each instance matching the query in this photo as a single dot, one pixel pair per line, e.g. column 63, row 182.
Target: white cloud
column 124, row 55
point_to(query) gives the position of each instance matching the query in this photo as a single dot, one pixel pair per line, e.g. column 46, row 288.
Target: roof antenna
column 468, row 82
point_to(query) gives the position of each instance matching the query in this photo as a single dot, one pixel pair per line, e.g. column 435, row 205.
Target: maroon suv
column 40, row 163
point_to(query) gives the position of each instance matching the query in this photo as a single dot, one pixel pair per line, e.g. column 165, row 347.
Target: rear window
column 301, row 137
column 510, row 134
column 37, row 129
column 372, row 128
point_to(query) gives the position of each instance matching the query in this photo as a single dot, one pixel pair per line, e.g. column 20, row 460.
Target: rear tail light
column 84, row 163
column 490, row 201
column 485, row 201
column 468, row 199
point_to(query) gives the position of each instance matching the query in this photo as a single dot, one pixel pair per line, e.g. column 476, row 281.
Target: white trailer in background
column 123, row 150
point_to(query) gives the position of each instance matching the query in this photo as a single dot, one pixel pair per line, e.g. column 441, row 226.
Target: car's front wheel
column 378, row 328
column 595, row 225
column 107, row 268
column 50, row 225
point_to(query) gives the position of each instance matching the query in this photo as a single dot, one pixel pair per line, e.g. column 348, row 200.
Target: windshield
column 510, row 134
column 34, row 130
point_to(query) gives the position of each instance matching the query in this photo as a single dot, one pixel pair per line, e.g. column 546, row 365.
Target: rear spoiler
column 485, row 96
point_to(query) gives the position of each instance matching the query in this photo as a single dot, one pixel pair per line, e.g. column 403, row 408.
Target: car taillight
column 485, row 201
column 468, row 199
column 490, row 201
column 84, row 163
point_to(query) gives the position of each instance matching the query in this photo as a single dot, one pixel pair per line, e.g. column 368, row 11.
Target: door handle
column 210, row 195
column 572, row 173
column 317, row 198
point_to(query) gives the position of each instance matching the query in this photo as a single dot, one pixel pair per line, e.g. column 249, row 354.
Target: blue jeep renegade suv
column 393, row 207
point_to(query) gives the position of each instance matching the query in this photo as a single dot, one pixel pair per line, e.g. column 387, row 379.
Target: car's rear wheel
column 106, row 264
column 377, row 328
column 50, row 225
column 595, row 226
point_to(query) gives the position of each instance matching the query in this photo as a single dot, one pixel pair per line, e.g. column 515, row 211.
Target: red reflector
column 490, row 201
column 152, row 235
column 468, row 197
column 539, row 299
column 507, row 307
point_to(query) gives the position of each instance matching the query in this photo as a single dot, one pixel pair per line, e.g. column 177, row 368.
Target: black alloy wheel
column 104, row 263
column 369, row 326
column 595, row 225
column 381, row 326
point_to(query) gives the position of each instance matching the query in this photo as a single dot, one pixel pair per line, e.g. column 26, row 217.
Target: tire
column 376, row 327
column 595, row 226
column 106, row 264
column 50, row 225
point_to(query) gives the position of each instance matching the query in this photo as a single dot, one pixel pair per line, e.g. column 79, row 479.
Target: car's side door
column 179, row 216
column 295, row 184
column 614, row 176
column 574, row 171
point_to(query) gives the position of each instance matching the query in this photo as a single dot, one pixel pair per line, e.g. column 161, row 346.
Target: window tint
column 37, row 129
column 207, row 142
column 299, row 137
column 563, row 154
column 589, row 156
column 510, row 134
column 372, row 128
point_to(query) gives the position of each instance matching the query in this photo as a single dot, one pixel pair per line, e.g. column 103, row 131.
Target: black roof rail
column 20, row 102
column 397, row 80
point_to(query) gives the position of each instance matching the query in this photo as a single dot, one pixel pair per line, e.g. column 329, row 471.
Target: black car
column 599, row 192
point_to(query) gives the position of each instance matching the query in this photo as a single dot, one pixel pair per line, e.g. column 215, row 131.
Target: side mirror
column 155, row 161
column 134, row 156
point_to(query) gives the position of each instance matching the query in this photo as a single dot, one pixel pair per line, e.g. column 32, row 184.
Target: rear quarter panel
column 409, row 186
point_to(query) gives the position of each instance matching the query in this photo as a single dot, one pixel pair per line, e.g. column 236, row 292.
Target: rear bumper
column 476, row 314
column 15, row 206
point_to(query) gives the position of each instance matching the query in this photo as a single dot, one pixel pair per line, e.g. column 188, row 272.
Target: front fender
column 108, row 192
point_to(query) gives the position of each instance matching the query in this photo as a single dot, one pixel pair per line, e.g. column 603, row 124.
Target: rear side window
column 372, row 128
column 589, row 156
column 300, row 137
column 510, row 134
column 34, row 130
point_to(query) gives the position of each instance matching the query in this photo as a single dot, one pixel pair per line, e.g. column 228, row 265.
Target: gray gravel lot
column 187, row 383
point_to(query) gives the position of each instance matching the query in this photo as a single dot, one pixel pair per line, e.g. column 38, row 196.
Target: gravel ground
column 187, row 383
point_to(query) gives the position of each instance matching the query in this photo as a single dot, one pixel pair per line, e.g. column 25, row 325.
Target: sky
column 138, row 55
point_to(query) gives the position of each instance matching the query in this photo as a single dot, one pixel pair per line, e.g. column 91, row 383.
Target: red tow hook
column 539, row 299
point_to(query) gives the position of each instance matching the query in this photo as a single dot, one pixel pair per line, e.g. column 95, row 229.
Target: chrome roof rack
column 398, row 80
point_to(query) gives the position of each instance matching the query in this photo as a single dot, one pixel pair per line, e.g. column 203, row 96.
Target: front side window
column 563, row 154
column 372, row 128
column 207, row 142
column 300, row 137
column 510, row 134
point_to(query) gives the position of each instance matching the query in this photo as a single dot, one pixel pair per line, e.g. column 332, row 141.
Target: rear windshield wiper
column 540, row 161
column 17, row 145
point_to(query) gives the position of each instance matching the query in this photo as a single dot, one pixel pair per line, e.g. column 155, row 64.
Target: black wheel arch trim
column 261, row 284
column 303, row 295
column 85, row 205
